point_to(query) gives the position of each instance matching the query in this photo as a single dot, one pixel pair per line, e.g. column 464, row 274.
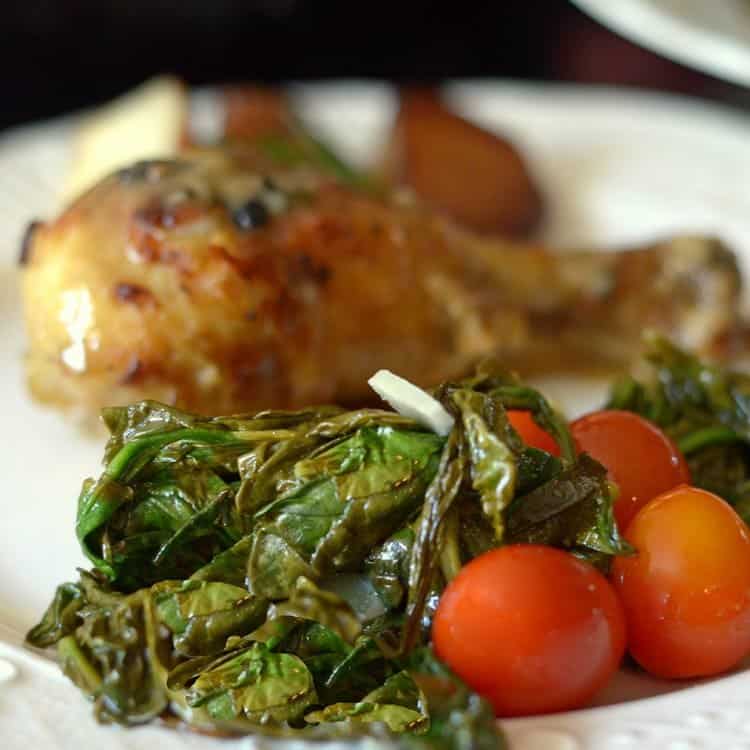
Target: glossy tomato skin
column 531, row 433
column 531, row 628
column 686, row 592
column 639, row 457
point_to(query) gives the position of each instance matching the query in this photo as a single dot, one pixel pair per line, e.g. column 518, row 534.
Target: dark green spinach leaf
column 704, row 408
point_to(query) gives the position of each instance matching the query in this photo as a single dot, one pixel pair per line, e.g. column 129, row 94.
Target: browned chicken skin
column 202, row 284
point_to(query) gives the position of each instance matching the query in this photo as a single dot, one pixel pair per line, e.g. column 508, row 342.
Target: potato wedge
column 254, row 111
column 476, row 177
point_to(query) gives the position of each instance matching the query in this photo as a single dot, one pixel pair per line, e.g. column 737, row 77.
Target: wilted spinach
column 704, row 408
column 278, row 572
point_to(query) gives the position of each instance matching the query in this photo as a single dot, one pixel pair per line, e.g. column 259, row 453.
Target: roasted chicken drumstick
column 225, row 283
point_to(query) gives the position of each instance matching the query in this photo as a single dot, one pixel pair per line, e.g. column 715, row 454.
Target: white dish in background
column 710, row 35
column 616, row 167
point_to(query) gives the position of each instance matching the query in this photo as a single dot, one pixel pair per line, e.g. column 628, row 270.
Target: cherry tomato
column 531, row 433
column 640, row 458
column 687, row 591
column 531, row 628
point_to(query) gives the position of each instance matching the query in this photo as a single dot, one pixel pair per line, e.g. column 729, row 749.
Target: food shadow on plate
column 632, row 684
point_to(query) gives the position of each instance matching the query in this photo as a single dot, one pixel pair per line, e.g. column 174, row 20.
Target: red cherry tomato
column 531, row 628
column 531, row 433
column 640, row 458
column 687, row 591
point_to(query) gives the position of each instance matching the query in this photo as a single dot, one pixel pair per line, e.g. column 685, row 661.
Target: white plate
column 711, row 35
column 617, row 167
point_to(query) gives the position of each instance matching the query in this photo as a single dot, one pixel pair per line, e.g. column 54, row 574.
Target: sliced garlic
column 411, row 401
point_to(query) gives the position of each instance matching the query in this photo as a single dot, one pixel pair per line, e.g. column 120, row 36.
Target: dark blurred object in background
column 59, row 55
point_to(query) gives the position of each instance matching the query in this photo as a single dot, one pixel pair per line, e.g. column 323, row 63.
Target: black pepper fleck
column 24, row 256
column 133, row 371
column 133, row 293
column 304, row 268
column 250, row 215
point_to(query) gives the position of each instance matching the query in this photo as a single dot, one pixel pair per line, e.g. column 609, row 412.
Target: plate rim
column 658, row 29
column 581, row 722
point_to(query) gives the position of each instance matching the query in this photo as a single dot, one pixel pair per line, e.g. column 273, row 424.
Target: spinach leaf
column 494, row 467
column 388, row 567
column 307, row 602
column 535, row 467
column 459, row 719
column 572, row 511
column 117, row 654
column 203, row 615
column 61, row 617
column 508, row 392
column 425, row 553
column 274, row 565
column 165, row 504
column 229, row 566
column 398, row 703
column 704, row 408
column 349, row 497
column 257, row 685
column 724, row 469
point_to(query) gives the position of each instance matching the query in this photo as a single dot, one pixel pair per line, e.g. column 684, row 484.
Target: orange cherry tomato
column 531, row 433
column 687, row 591
column 531, row 628
column 640, row 458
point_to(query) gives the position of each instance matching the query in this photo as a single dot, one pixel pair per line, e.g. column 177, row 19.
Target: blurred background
column 59, row 55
